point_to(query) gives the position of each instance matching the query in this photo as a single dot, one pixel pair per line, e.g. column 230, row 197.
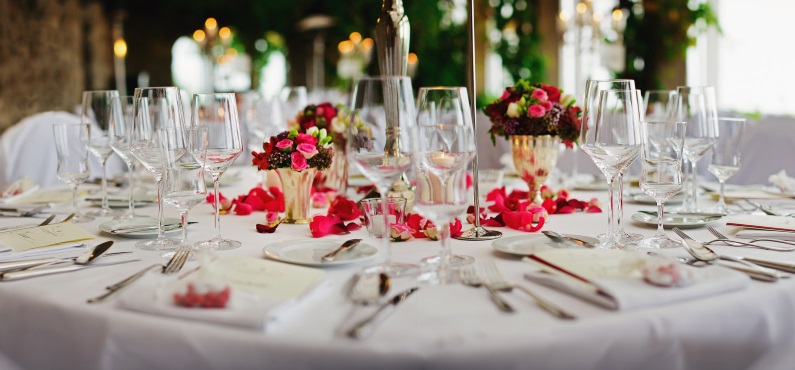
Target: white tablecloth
column 46, row 323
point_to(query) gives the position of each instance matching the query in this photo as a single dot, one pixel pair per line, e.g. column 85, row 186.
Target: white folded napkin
column 627, row 294
column 7, row 254
column 785, row 183
column 765, row 234
column 152, row 294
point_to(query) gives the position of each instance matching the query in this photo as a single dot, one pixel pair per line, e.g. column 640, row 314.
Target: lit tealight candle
column 443, row 159
column 377, row 224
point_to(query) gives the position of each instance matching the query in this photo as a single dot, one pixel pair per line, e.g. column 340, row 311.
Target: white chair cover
column 27, row 149
column 768, row 148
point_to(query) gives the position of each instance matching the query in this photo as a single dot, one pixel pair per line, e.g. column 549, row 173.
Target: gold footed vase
column 297, row 189
column 336, row 176
column 534, row 158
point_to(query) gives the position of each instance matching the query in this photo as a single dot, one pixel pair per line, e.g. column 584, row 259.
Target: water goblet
column 661, row 171
column 215, row 144
column 444, row 144
column 120, row 137
column 382, row 111
column 658, row 104
column 96, row 110
column 184, row 186
column 612, row 140
column 726, row 155
column 696, row 106
column 154, row 110
column 71, row 146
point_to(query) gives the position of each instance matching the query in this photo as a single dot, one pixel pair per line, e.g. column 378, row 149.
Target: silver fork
column 728, row 257
column 470, row 276
column 495, row 280
column 173, row 266
column 725, row 239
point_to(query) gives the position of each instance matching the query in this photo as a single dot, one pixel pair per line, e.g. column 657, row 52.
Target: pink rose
column 547, row 105
column 308, row 150
column 505, row 94
column 284, row 145
column 306, row 139
column 537, row 211
column 298, row 162
column 271, row 217
column 319, row 200
column 540, row 95
column 536, row 111
column 563, row 194
column 400, row 232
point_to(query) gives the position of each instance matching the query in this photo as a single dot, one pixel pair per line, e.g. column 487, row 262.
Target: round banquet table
column 47, row 324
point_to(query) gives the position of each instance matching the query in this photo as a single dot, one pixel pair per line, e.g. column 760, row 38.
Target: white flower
column 338, row 125
column 311, row 131
column 513, row 110
column 566, row 100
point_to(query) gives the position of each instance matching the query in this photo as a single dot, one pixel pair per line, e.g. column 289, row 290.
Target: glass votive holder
column 488, row 180
column 374, row 216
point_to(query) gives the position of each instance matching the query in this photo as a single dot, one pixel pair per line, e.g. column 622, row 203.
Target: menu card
column 268, row 279
column 43, row 236
column 763, row 222
column 590, row 264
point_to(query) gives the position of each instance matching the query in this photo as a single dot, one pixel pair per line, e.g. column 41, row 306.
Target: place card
column 267, row 279
column 43, row 236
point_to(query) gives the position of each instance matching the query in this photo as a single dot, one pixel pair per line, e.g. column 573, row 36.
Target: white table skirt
column 46, row 323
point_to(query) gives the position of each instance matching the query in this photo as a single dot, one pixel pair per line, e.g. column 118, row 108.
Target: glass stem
column 721, row 206
column 619, row 210
column 217, row 207
column 131, row 206
column 695, row 186
column 385, row 212
column 105, row 185
column 611, row 233
column 184, row 218
column 74, row 199
column 446, row 254
column 161, row 234
column 660, row 214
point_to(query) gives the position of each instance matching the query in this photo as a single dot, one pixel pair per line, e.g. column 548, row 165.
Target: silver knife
column 567, row 239
column 24, row 274
column 364, row 328
column 27, row 263
column 166, row 227
column 348, row 245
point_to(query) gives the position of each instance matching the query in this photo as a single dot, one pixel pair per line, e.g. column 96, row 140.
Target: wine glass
column 382, row 110
column 661, row 171
column 120, row 137
column 97, row 112
column 292, row 99
column 726, row 155
column 612, row 140
column 71, row 145
column 444, row 143
column 658, row 104
column 696, row 106
column 215, row 145
column 184, row 186
column 155, row 108
column 590, row 110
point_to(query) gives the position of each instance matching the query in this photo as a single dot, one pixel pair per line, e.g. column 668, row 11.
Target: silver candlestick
column 478, row 232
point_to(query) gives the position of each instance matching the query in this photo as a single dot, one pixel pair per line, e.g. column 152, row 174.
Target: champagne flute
column 184, row 186
column 120, row 137
column 215, row 145
column 444, row 143
column 97, row 112
column 613, row 141
column 71, row 145
column 661, row 171
column 696, row 106
column 155, row 108
column 726, row 155
column 590, row 110
column 383, row 108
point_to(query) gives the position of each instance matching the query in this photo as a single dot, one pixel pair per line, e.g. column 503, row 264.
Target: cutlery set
column 80, row 262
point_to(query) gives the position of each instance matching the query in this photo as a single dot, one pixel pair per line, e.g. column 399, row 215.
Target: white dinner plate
column 308, row 252
column 120, row 201
column 111, row 225
column 675, row 220
column 642, row 198
column 523, row 245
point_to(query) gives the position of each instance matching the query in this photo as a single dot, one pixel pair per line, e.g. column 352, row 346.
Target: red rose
column 305, row 139
column 327, row 111
column 553, row 93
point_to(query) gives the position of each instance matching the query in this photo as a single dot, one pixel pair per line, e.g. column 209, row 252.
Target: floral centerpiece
column 296, row 157
column 536, row 118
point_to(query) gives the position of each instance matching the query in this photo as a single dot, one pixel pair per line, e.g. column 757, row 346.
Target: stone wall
column 45, row 63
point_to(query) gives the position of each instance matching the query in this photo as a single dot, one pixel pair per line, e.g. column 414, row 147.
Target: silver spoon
column 703, row 253
column 348, row 245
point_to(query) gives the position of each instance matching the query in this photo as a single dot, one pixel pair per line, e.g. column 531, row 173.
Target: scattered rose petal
column 344, row 208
